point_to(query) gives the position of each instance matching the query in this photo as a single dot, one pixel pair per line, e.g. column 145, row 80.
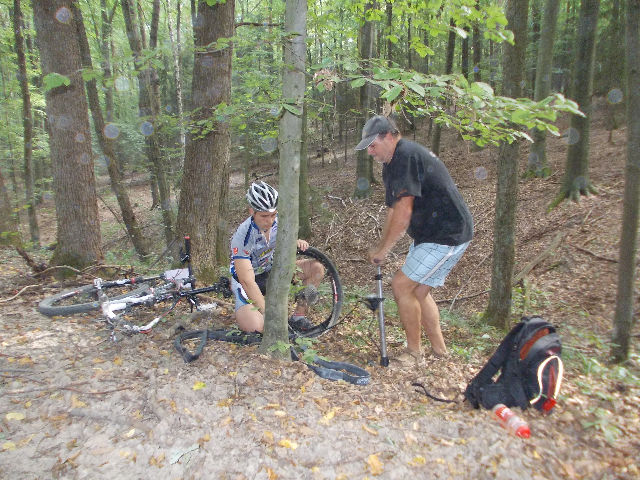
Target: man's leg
column 409, row 308
column 312, row 273
column 430, row 319
column 249, row 319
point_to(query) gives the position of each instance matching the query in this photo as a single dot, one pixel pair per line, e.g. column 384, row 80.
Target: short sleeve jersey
column 440, row 214
column 248, row 242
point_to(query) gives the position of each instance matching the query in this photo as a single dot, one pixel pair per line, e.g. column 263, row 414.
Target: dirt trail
column 75, row 405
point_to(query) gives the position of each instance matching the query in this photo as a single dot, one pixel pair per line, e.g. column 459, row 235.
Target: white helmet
column 262, row 197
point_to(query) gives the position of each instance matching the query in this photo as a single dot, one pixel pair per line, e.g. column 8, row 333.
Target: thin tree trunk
column 499, row 308
column 477, row 49
column 290, row 139
column 364, row 166
column 304, row 214
column 576, row 180
column 27, row 124
column 537, row 163
column 107, row 145
column 436, row 134
column 149, row 105
column 8, row 221
column 176, row 49
column 623, row 319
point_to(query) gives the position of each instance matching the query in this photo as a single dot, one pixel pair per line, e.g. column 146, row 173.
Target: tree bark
column 364, row 166
column 201, row 211
column 9, row 234
column 149, row 106
column 304, row 214
column 176, row 50
column 27, row 124
column 477, row 49
column 624, row 315
column 107, row 145
column 293, row 87
column 499, row 308
column 78, row 235
column 537, row 162
column 436, row 134
column 576, row 180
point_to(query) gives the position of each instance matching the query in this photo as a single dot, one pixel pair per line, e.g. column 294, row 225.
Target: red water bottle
column 510, row 421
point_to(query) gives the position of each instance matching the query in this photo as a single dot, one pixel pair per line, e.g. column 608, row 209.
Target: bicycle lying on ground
column 119, row 299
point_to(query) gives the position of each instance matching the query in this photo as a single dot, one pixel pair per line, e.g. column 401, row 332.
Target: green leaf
column 481, row 89
column 392, row 94
column 292, row 109
column 520, row 116
column 419, row 89
column 54, row 80
column 358, row 82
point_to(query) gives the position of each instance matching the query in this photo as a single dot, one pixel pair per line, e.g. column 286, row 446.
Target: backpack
column 530, row 367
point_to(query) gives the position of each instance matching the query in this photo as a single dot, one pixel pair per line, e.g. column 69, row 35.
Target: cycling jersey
column 249, row 242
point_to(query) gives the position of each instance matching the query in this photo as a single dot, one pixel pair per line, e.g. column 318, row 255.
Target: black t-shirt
column 440, row 214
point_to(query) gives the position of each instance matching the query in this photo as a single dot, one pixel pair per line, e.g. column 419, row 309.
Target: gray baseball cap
column 374, row 127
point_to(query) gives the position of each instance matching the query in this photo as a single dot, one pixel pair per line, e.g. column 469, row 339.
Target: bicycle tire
column 326, row 311
column 85, row 298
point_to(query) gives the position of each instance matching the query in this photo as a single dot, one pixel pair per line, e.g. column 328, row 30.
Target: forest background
column 182, row 95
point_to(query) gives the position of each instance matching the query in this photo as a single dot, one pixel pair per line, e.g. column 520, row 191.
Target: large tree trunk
column 107, row 145
column 78, row 236
column 499, row 308
column 149, row 106
column 293, row 86
column 203, row 195
column 537, row 162
column 576, row 180
column 624, row 316
column 364, row 166
column 27, row 124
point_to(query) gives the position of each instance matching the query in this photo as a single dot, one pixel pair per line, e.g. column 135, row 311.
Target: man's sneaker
column 301, row 324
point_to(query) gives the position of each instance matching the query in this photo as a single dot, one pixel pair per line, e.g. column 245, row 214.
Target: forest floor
column 74, row 404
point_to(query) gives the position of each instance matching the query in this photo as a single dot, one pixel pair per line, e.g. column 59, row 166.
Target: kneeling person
column 252, row 247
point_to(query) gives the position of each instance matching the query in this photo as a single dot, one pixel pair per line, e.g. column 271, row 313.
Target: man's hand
column 302, row 245
column 377, row 256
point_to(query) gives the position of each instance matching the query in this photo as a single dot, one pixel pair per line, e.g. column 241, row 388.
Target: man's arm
column 247, row 278
column 395, row 225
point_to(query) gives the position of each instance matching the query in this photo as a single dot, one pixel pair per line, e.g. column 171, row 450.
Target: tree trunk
column 203, row 196
column 624, row 315
column 27, row 124
column 499, row 308
column 436, row 134
column 176, row 49
column 149, row 106
column 107, row 145
column 364, row 167
column 78, row 235
column 576, row 180
column 537, row 163
column 477, row 49
column 304, row 214
column 293, row 87
column 9, row 234
column 464, row 55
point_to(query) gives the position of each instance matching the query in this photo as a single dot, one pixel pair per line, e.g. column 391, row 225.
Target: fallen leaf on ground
column 199, row 385
column 286, row 443
column 376, row 467
column 15, row 416
column 75, row 403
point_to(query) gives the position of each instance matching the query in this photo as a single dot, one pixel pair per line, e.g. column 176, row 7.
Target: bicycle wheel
column 322, row 294
column 85, row 298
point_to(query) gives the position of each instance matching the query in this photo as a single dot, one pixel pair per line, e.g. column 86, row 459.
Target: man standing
column 423, row 201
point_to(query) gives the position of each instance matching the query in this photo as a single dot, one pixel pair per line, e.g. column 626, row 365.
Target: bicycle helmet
column 262, row 197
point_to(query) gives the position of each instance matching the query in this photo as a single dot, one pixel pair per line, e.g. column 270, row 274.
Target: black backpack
column 530, row 367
